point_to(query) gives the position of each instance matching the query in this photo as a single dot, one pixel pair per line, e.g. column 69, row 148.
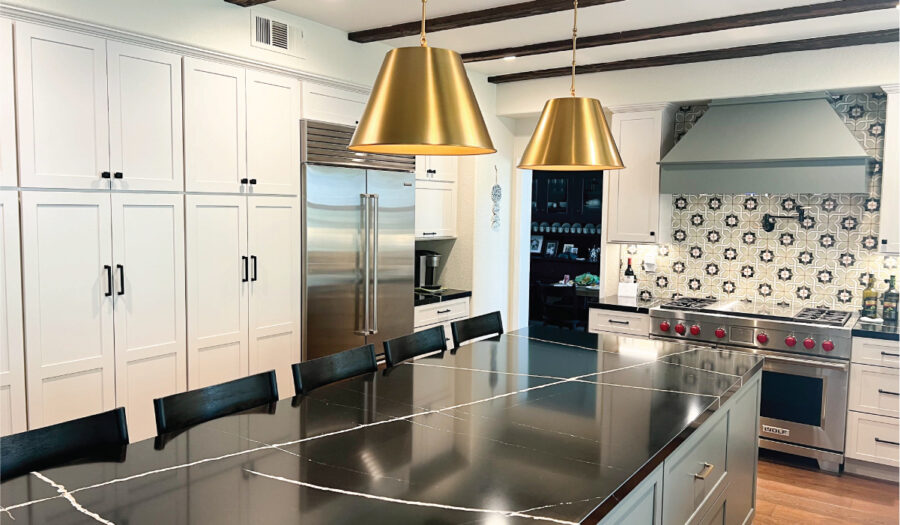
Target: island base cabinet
column 643, row 506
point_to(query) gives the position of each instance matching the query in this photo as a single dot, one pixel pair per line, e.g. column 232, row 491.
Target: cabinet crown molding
column 635, row 108
column 891, row 89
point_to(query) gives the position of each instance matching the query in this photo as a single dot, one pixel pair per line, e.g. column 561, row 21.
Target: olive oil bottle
column 870, row 299
column 889, row 301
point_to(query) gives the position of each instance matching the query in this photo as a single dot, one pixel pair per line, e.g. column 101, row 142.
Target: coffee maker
column 427, row 263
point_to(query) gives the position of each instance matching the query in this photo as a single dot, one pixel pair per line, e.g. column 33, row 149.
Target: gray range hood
column 794, row 144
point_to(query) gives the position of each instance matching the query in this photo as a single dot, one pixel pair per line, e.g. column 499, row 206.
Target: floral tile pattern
column 718, row 248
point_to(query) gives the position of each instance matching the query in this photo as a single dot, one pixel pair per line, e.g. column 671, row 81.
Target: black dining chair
column 179, row 412
column 101, row 437
column 314, row 373
column 408, row 346
column 485, row 325
column 560, row 305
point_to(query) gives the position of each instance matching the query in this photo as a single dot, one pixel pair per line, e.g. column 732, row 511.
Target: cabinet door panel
column 148, row 250
column 328, row 104
column 66, row 242
column 216, row 289
column 435, row 210
column 12, row 349
column 215, row 130
column 273, row 233
column 634, row 191
column 62, row 108
column 889, row 231
column 8, row 162
column 145, row 118
column 273, row 133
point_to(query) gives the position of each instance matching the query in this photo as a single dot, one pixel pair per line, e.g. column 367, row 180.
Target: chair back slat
column 101, row 437
column 485, row 325
column 314, row 373
column 181, row 411
column 408, row 346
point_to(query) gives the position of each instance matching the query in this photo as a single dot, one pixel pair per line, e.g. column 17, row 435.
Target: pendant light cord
column 574, row 43
column 422, row 40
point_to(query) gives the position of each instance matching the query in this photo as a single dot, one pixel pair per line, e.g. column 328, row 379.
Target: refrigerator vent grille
column 326, row 143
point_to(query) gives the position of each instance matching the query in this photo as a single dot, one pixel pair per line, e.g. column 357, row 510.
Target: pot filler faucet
column 768, row 220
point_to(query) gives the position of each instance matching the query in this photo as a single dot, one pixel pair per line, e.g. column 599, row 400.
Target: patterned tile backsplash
column 718, row 247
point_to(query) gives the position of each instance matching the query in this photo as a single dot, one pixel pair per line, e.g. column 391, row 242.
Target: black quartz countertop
column 624, row 304
column 447, row 294
column 888, row 331
column 539, row 425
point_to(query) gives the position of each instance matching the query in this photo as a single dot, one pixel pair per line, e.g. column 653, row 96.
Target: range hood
column 793, row 144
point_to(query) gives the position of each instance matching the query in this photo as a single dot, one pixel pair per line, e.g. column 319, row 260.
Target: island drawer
column 694, row 471
column 878, row 352
column 873, row 438
column 875, row 389
column 441, row 312
column 600, row 320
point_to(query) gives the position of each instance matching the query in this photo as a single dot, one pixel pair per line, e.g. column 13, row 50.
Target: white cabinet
column 8, row 162
column 68, row 279
column 145, row 136
column 12, row 349
column 62, row 108
column 442, row 313
column 437, row 168
column 330, row 104
column 642, row 135
column 626, row 323
column 873, row 406
column 243, row 274
column 435, row 210
column 149, row 312
column 215, row 128
column 889, row 231
column 273, row 133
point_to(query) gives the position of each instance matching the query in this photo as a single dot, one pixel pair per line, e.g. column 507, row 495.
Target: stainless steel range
column 803, row 404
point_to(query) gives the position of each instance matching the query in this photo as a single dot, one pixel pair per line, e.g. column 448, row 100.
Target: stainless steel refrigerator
column 358, row 243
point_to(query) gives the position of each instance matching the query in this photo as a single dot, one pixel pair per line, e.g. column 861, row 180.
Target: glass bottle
column 889, row 301
column 870, row 299
column 629, row 273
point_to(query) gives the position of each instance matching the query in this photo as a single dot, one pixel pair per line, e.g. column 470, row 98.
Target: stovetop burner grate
column 690, row 302
column 823, row 316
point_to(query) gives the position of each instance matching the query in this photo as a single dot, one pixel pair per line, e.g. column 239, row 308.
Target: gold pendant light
column 572, row 134
column 422, row 104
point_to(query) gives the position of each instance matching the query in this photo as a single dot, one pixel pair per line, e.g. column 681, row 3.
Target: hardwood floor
column 788, row 493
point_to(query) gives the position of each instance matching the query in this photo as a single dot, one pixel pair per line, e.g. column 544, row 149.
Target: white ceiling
column 353, row 15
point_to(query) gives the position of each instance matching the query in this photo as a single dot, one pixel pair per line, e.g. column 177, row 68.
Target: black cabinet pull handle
column 121, row 279
column 444, row 311
column 889, row 354
column 117, row 175
column 253, row 258
column 430, row 171
column 109, row 280
column 886, row 442
column 613, row 321
column 888, row 392
column 245, row 180
column 429, row 233
column 104, row 175
column 252, row 181
column 245, row 261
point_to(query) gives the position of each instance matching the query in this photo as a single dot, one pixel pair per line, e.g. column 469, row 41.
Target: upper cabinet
column 94, row 114
column 8, row 161
column 436, row 196
column 890, row 181
column 643, row 134
column 437, row 168
column 62, row 108
column 329, row 104
column 273, row 133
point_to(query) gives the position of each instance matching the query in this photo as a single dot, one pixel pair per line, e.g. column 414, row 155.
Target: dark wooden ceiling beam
column 789, row 14
column 826, row 42
column 472, row 18
column 247, row 3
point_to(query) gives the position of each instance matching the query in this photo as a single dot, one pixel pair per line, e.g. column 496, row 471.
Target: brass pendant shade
column 572, row 135
column 422, row 104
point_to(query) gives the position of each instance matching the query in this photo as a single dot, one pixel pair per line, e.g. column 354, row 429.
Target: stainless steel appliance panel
column 334, row 249
column 393, row 202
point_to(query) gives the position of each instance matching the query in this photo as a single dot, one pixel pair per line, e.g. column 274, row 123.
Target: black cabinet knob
column 652, row 234
column 117, row 175
column 252, row 181
column 883, row 241
column 104, row 175
column 244, row 180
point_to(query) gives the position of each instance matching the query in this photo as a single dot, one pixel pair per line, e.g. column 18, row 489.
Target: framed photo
column 551, row 249
column 536, row 242
column 567, row 248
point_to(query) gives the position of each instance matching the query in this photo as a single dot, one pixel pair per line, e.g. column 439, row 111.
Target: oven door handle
column 807, row 362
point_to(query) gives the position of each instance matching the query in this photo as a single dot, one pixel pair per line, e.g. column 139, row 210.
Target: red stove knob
column 809, row 343
column 790, row 340
column 695, row 330
column 679, row 328
column 664, row 326
column 828, row 346
column 762, row 338
column 720, row 333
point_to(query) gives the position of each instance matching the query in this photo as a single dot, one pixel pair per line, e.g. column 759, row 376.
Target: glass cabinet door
column 558, row 196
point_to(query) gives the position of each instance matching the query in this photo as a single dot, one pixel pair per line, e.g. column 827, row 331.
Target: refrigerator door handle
column 375, row 233
column 366, row 233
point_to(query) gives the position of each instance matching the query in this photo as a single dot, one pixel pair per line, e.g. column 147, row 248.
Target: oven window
column 790, row 397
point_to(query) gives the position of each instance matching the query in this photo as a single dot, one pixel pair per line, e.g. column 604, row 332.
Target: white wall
column 830, row 69
column 226, row 28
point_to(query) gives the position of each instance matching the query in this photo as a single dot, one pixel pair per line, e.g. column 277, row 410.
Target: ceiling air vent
column 275, row 35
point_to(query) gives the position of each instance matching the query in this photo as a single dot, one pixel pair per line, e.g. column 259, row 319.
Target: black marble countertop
column 624, row 304
column 447, row 294
column 889, row 331
column 539, row 425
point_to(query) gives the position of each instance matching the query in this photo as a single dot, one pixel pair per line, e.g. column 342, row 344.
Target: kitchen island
column 539, row 425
